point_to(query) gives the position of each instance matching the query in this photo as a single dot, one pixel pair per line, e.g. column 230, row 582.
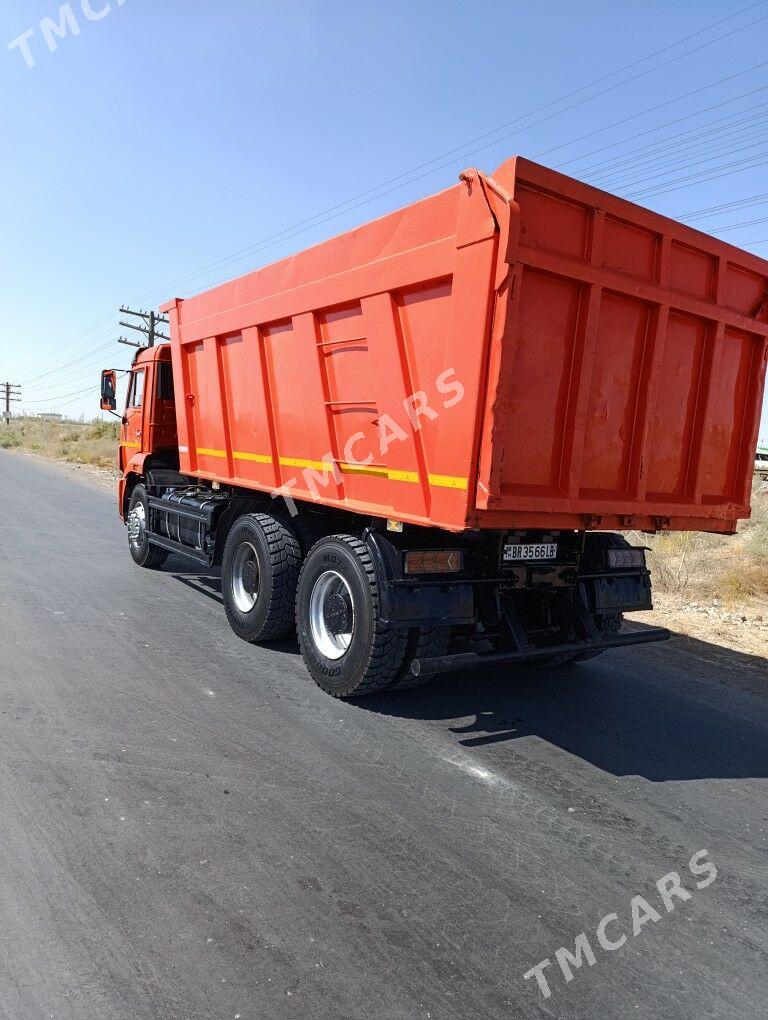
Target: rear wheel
column 260, row 569
column 347, row 648
column 423, row 643
column 596, row 546
column 142, row 551
column 607, row 623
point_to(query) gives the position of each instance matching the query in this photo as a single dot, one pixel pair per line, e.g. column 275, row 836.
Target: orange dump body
column 519, row 351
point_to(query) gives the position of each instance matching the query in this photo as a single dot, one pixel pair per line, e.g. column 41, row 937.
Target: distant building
column 50, row 416
column 761, row 462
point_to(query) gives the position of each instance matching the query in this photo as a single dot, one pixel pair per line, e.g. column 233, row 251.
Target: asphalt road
column 190, row 828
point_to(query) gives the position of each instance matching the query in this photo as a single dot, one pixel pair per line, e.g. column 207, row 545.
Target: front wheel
column 142, row 550
column 347, row 648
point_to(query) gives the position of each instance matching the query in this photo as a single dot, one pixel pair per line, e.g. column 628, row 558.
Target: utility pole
column 147, row 324
column 11, row 392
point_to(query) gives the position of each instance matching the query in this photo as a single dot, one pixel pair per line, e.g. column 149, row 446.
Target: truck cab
column 148, row 436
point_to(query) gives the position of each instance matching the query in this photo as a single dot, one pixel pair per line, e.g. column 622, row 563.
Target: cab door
column 162, row 417
column 132, row 428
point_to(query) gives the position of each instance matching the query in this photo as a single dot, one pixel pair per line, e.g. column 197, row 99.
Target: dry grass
column 93, row 443
column 733, row 569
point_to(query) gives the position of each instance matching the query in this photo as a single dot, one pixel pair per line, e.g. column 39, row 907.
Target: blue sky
column 167, row 136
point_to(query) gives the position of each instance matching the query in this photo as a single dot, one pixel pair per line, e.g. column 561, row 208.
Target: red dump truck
column 417, row 442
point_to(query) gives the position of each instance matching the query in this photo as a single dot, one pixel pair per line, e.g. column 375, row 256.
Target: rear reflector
column 623, row 558
column 433, row 561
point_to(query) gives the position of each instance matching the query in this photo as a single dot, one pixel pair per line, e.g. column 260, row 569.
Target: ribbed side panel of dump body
column 628, row 366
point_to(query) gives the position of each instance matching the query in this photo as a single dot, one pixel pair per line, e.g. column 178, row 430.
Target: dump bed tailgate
column 626, row 366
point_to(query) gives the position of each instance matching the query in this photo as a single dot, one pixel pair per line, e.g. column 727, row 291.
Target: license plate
column 516, row 551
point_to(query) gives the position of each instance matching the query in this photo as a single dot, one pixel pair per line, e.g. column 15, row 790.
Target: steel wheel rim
column 137, row 525
column 329, row 591
column 245, row 577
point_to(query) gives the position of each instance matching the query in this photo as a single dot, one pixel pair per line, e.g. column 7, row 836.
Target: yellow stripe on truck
column 448, row 481
column 393, row 474
column 316, row 465
column 402, row 476
column 259, row 458
column 364, row 469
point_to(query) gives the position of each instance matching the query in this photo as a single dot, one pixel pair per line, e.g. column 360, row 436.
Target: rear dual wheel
column 597, row 544
column 423, row 643
column 348, row 649
column 607, row 624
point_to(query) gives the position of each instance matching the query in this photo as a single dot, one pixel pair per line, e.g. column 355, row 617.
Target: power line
column 652, row 109
column 268, row 243
column 567, row 96
column 374, row 191
column 664, row 168
column 717, row 210
column 654, row 151
column 147, row 326
column 79, row 378
column 147, row 316
column 63, row 396
column 84, row 348
column 705, row 175
column 726, row 227
column 56, row 369
column 744, row 223
column 70, row 375
column 659, row 127
column 670, row 168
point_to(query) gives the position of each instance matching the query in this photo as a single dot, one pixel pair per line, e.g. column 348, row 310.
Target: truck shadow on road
column 208, row 583
column 677, row 712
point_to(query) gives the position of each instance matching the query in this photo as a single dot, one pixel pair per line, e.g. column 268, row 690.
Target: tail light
column 434, row 561
column 622, row 559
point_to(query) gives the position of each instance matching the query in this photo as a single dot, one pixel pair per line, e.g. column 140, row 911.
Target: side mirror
column 108, row 390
